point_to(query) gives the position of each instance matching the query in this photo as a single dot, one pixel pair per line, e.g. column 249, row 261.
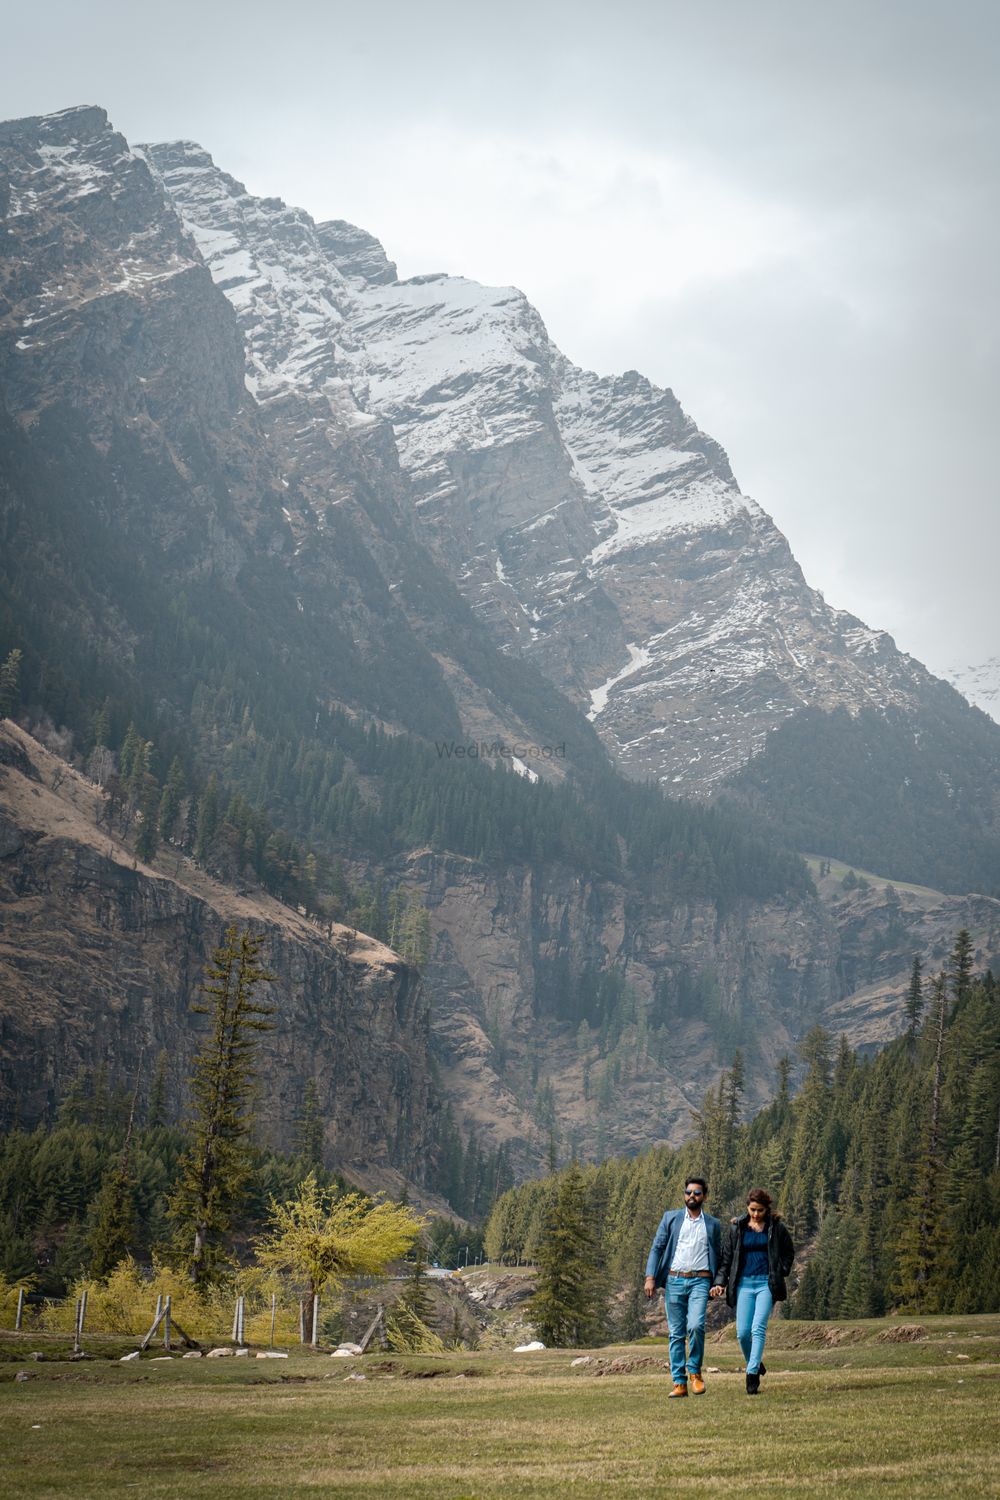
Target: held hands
column 717, row 1291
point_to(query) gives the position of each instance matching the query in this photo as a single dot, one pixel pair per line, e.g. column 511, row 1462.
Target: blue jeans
column 686, row 1298
column 753, row 1308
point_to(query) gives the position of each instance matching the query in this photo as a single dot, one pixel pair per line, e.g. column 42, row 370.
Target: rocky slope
column 101, row 955
column 123, row 379
column 101, row 958
column 587, row 520
column 510, row 948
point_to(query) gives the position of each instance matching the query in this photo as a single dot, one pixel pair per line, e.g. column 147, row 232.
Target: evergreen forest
column 886, row 1169
column 922, row 810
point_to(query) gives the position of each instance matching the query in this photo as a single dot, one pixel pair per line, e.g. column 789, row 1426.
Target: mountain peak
column 355, row 252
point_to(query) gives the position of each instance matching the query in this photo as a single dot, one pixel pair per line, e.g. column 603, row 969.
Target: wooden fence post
column 20, row 1309
column 148, row 1337
column 239, row 1320
column 166, row 1323
column 315, row 1327
column 76, row 1327
column 81, row 1316
column 370, row 1332
column 274, row 1303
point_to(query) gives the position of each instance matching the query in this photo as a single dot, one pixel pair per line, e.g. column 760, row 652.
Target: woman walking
column 756, row 1258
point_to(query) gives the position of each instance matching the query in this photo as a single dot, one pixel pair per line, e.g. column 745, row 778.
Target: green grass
column 838, row 869
column 858, row 1417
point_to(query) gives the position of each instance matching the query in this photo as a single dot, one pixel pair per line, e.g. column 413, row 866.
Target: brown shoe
column 697, row 1384
column 680, row 1389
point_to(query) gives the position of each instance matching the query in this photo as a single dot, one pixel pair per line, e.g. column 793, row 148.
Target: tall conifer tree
column 215, row 1168
column 568, row 1307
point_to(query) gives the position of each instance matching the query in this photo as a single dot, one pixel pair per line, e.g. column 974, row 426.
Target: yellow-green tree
column 322, row 1238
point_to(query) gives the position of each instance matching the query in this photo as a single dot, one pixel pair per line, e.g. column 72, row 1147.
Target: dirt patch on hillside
column 823, row 1336
column 906, row 1333
column 597, row 1364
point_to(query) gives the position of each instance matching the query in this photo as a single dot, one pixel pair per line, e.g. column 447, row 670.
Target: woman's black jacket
column 780, row 1254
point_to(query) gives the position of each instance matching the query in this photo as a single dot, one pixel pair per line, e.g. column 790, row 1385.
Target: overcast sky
column 786, row 211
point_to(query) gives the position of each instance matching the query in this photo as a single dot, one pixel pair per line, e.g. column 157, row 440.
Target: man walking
column 683, row 1259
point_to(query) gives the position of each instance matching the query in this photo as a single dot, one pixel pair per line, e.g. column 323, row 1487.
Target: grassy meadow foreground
column 849, row 1409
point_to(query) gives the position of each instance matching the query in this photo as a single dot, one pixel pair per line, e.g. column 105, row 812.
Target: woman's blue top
column 754, row 1252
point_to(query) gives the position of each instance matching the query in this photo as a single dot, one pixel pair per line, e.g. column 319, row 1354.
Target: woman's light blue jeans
column 753, row 1308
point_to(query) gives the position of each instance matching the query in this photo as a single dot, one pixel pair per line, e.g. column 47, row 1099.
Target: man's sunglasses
column 693, row 1193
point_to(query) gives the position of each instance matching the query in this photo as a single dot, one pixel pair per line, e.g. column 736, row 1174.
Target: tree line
column 113, row 1178
column 237, row 783
column 886, row 1168
column 924, row 810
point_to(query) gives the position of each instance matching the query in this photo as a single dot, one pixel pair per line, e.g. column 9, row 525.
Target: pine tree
column 214, row 1170
column 782, row 1098
column 415, row 1296
column 961, row 960
column 100, row 727
column 156, row 1104
column 807, row 1167
column 148, row 838
column 415, row 942
column 208, row 820
column 920, row 1240
column 568, row 1307
column 308, row 1142
column 10, row 683
column 131, row 750
column 172, row 800
column 914, row 1008
column 730, row 1097
column 113, row 1231
column 631, row 1322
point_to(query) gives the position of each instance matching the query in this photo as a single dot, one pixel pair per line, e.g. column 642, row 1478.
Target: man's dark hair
column 698, row 1182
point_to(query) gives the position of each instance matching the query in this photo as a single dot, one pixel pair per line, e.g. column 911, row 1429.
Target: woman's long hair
column 761, row 1195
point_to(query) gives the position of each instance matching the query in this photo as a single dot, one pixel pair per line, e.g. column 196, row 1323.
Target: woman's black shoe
column 753, row 1384
column 763, row 1369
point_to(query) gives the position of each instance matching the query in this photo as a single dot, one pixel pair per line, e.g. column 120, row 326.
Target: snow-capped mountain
column 587, row 520
column 247, row 477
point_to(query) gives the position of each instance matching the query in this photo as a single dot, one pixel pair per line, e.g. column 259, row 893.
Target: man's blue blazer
column 665, row 1241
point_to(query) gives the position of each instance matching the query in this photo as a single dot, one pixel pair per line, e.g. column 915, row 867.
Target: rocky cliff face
column 347, row 500
column 512, row 950
column 588, row 521
column 102, row 956
column 123, row 377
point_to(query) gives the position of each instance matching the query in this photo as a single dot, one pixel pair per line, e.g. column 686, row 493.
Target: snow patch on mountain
column 980, row 685
column 268, row 260
column 638, row 657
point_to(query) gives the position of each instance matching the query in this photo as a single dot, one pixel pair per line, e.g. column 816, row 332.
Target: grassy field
column 838, row 870
column 846, row 1410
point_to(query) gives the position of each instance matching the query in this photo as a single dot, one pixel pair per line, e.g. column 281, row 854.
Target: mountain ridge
column 586, row 519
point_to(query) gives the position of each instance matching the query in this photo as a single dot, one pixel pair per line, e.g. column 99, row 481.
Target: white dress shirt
column 691, row 1250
